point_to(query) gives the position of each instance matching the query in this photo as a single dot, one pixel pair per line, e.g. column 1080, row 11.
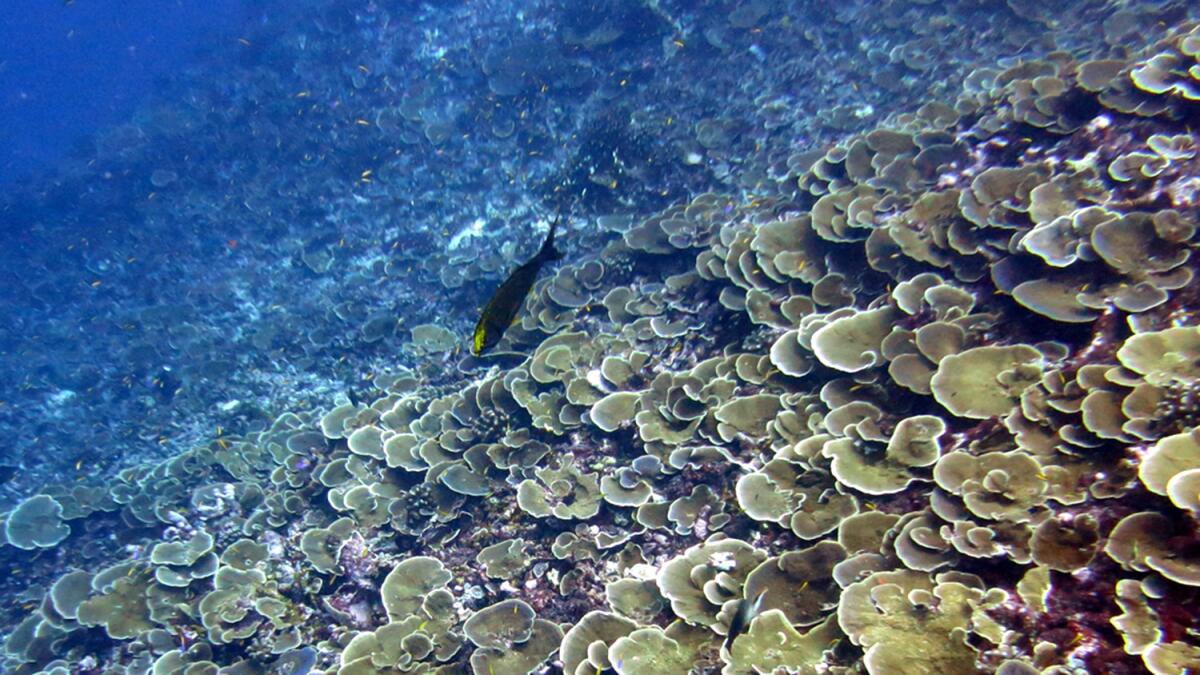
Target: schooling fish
column 502, row 309
column 165, row 384
column 746, row 610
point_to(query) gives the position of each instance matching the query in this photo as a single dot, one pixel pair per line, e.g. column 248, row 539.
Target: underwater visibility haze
column 633, row 337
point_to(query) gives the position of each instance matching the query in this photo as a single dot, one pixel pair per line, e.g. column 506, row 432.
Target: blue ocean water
column 70, row 68
column 74, row 76
column 245, row 246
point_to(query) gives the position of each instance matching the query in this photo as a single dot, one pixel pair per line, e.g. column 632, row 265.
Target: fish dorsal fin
column 548, row 252
column 758, row 600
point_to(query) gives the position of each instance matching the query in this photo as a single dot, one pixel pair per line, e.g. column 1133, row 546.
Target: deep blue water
column 70, row 68
column 79, row 86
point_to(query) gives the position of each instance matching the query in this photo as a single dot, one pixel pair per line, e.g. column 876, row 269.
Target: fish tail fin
column 548, row 251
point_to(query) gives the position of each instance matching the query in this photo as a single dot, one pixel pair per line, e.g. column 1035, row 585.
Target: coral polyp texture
column 921, row 386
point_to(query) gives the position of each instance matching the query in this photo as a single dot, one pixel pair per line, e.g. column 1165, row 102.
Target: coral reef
column 929, row 388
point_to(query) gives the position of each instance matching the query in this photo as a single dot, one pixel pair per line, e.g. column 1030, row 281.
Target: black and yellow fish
column 501, row 311
column 746, row 610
